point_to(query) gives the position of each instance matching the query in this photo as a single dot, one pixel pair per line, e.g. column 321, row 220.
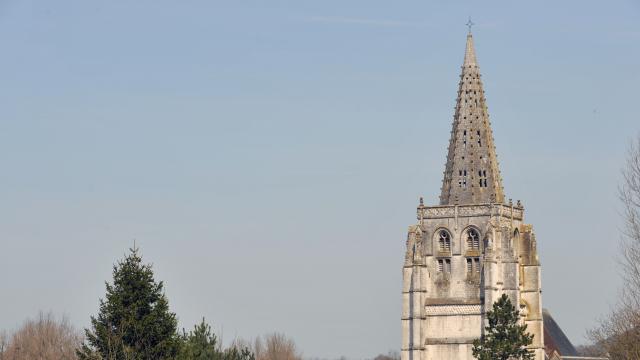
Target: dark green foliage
column 202, row 344
column 504, row 338
column 199, row 344
column 235, row 353
column 134, row 321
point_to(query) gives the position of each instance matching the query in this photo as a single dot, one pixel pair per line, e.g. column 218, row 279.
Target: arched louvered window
column 473, row 239
column 444, row 240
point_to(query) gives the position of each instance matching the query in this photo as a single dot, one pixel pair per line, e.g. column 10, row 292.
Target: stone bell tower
column 464, row 253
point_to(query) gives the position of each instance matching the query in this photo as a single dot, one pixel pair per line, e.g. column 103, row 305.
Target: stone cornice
column 461, row 211
column 452, row 301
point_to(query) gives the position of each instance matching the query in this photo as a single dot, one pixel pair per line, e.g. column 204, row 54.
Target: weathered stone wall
column 444, row 308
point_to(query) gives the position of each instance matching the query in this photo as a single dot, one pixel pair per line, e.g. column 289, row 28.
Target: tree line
column 134, row 322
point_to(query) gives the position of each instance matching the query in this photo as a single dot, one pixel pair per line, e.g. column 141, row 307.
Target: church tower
column 464, row 253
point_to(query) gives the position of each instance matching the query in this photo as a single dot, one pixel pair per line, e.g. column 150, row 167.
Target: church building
column 474, row 246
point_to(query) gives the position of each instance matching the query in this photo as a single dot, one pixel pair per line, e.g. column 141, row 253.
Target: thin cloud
column 363, row 21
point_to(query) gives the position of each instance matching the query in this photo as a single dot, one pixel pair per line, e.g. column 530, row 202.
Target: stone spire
column 471, row 175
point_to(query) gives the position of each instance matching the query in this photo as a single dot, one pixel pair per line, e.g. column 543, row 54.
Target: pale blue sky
column 268, row 156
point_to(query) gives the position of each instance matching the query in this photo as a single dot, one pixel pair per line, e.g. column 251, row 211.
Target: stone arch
column 442, row 240
column 523, row 246
column 515, row 241
column 415, row 242
column 471, row 237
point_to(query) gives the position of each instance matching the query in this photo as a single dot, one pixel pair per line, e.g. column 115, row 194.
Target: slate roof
column 554, row 337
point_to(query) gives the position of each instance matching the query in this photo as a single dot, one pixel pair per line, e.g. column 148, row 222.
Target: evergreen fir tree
column 200, row 344
column 134, row 321
column 236, row 353
column 504, row 338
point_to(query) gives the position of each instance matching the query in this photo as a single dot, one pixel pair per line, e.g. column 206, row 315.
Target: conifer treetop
column 505, row 337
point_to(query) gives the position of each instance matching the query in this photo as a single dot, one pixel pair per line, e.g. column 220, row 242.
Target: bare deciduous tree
column 591, row 350
column 4, row 339
column 274, row 346
column 43, row 338
column 391, row 355
column 619, row 333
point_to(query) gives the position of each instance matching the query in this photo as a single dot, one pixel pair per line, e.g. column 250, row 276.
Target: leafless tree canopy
column 630, row 197
column 392, row 355
column 4, row 341
column 591, row 350
column 42, row 338
column 619, row 333
column 273, row 346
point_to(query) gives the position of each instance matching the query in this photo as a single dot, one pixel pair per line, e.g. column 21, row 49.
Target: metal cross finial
column 470, row 24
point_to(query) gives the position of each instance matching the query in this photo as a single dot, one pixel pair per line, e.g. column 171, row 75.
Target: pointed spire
column 470, row 52
column 471, row 175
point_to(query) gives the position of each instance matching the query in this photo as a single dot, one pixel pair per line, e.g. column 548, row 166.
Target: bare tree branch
column 44, row 337
column 619, row 333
